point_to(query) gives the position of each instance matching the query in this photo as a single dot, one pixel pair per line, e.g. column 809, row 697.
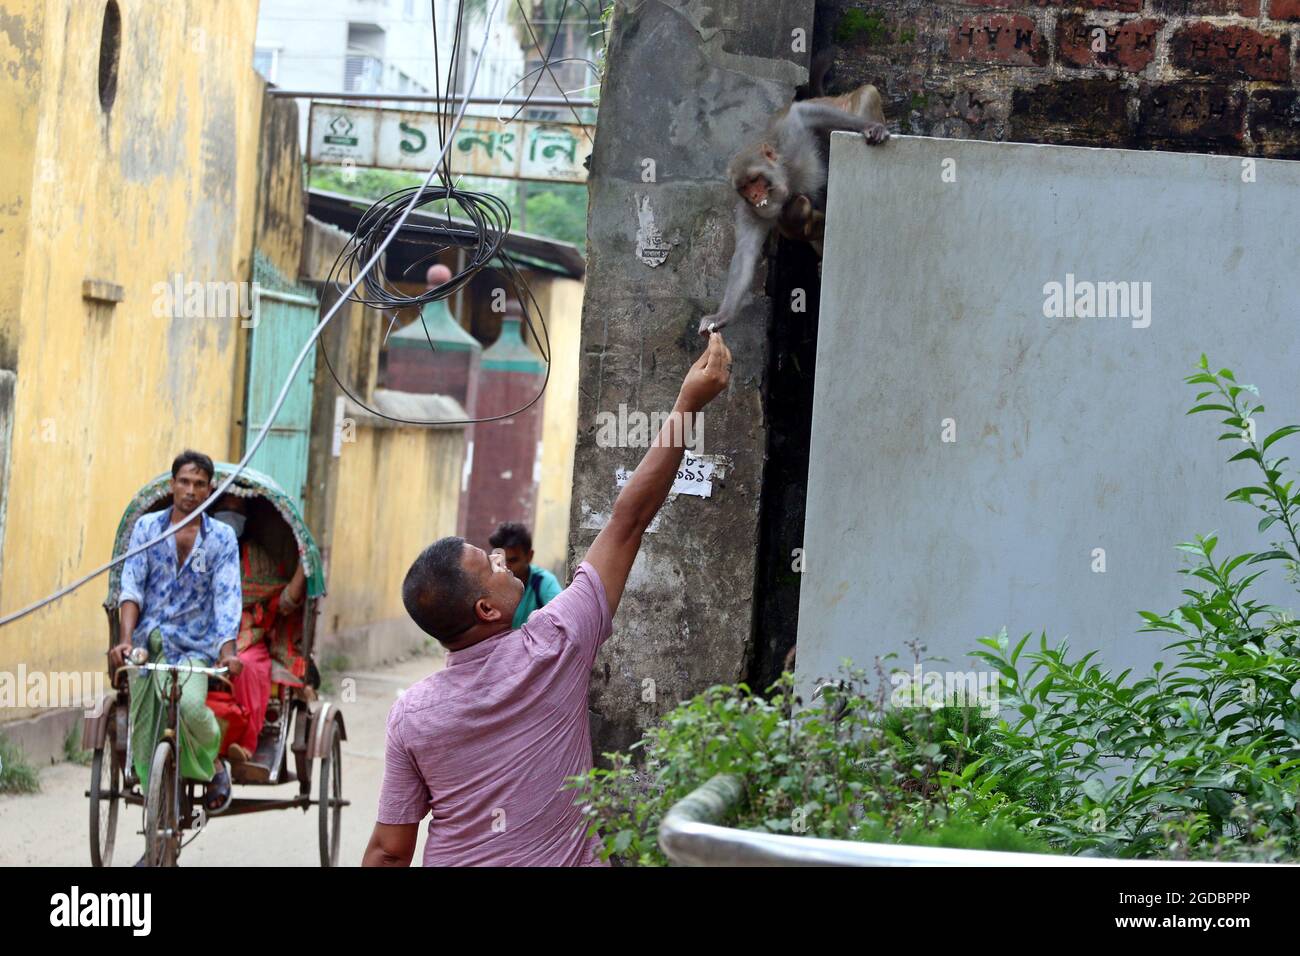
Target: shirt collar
column 475, row 651
column 166, row 520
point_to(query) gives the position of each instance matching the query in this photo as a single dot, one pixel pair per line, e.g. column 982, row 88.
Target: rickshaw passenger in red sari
column 270, row 629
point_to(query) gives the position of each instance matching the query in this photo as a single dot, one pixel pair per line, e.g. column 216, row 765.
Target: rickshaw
column 299, row 729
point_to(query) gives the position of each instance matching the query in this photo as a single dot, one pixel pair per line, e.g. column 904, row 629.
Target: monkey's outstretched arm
column 824, row 118
column 750, row 233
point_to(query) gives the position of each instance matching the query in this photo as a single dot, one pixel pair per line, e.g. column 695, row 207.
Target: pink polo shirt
column 484, row 745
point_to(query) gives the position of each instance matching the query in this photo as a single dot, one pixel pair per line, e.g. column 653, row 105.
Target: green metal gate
column 283, row 319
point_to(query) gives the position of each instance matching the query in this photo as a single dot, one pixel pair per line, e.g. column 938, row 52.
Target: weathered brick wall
column 1203, row 75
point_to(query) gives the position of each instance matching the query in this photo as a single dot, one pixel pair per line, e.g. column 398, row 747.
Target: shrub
column 16, row 774
column 841, row 768
column 72, row 751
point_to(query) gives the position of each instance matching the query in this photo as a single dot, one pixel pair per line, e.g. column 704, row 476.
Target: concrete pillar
column 685, row 84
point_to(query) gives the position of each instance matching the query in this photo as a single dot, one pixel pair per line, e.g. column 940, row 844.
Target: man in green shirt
column 540, row 585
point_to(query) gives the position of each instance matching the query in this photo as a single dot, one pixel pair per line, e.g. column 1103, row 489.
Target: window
column 266, row 61
column 363, row 70
column 362, row 73
column 110, row 48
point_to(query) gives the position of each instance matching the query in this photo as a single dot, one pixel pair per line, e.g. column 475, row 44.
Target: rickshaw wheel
column 106, row 789
column 161, row 826
column 331, row 796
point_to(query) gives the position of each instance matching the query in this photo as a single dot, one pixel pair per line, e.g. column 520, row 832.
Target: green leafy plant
column 72, row 751
column 842, row 767
column 16, row 774
column 866, row 26
column 558, row 210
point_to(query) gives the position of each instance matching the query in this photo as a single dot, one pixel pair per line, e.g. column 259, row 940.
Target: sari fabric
column 264, row 580
column 268, row 645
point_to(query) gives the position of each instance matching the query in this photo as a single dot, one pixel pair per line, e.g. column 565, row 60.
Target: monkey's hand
column 875, row 133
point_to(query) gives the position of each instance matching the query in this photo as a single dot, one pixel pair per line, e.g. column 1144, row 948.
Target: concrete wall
column 561, row 303
column 398, row 490
column 351, row 342
column 22, row 47
column 685, row 83
column 1070, row 434
column 163, row 182
column 281, row 201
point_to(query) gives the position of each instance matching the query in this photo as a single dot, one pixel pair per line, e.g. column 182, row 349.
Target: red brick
column 1274, row 122
column 1232, row 52
column 1076, row 112
column 1207, row 8
column 1191, row 115
column 1284, row 10
column 998, row 38
column 1130, row 45
column 1004, row 4
column 1120, row 6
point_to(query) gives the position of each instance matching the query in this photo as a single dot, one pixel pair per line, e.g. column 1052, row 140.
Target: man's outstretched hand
column 615, row 548
column 708, row 377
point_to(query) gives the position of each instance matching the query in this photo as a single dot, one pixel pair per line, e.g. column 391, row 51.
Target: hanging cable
column 486, row 225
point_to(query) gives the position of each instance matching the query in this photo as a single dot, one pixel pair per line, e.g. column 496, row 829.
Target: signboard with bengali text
column 364, row 136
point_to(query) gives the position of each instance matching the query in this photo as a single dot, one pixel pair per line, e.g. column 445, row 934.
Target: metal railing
column 691, row 835
column 538, row 101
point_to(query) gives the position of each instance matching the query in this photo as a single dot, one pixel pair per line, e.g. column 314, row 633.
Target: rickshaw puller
column 181, row 599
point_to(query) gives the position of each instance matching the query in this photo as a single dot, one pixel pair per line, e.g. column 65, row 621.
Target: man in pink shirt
column 485, row 744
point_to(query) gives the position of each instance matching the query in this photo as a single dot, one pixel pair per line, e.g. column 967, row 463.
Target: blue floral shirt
column 197, row 608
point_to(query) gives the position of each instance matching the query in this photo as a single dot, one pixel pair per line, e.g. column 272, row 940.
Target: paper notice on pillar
column 694, row 476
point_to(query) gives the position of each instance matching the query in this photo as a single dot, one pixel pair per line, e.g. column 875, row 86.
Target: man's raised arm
column 615, row 548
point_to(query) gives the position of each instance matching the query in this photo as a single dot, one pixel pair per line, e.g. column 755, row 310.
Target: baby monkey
column 781, row 181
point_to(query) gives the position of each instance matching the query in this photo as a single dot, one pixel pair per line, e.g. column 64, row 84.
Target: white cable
column 302, row 357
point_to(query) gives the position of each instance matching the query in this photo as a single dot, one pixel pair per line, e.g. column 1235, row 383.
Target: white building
column 380, row 46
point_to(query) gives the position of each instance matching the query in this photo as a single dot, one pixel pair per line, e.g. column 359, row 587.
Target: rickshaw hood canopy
column 250, row 483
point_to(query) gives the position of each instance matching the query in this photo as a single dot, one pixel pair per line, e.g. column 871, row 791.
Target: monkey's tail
column 817, row 70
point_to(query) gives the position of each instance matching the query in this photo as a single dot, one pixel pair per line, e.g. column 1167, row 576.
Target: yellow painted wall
column 162, row 183
column 22, row 54
column 561, row 304
column 398, row 490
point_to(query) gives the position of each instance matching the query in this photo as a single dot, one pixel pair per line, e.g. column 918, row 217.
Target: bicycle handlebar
column 178, row 669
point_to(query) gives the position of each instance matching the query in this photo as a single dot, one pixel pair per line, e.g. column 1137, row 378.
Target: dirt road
column 50, row 828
